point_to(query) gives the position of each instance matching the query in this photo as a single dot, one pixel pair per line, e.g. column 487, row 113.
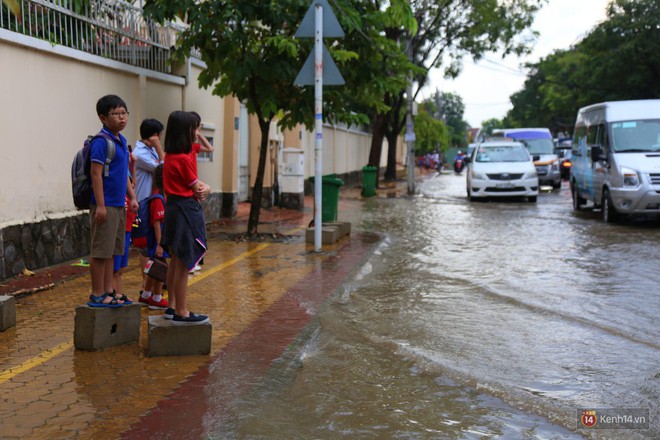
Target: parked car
column 502, row 169
column 563, row 152
column 539, row 143
column 616, row 158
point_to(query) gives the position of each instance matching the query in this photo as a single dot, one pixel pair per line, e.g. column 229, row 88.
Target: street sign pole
column 319, row 18
column 409, row 137
column 318, row 125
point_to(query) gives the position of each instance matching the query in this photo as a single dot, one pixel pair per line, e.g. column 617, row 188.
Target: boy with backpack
column 107, row 208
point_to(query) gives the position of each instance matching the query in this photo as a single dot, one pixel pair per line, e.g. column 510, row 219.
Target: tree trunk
column 377, row 134
column 257, row 191
column 390, row 171
column 396, row 121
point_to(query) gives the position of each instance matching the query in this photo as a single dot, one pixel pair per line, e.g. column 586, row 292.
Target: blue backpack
column 81, row 181
column 141, row 225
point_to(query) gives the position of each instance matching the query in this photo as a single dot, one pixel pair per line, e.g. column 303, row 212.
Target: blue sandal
column 121, row 297
column 98, row 301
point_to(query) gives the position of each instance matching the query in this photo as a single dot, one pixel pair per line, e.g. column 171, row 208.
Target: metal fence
column 113, row 29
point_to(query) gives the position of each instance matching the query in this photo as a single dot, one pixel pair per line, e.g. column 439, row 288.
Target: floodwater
column 473, row 321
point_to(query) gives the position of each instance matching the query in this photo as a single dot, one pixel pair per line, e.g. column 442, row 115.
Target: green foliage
column 446, row 30
column 618, row 60
column 13, row 6
column 40, row 22
column 450, row 109
column 431, row 134
column 251, row 53
column 488, row 125
column 460, row 28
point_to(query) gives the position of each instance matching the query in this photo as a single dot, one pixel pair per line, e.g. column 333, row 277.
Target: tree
column 431, row 134
column 618, row 60
column 250, row 53
column 447, row 29
column 624, row 52
column 489, row 125
column 450, row 110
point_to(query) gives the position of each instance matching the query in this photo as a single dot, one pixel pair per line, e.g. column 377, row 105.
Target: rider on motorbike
column 459, row 161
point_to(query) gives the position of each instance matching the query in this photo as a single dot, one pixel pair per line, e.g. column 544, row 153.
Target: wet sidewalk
column 261, row 297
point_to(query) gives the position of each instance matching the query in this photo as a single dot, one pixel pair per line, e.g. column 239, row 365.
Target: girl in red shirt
column 184, row 234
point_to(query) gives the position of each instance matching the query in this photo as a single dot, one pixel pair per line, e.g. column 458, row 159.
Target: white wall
column 344, row 150
column 48, row 100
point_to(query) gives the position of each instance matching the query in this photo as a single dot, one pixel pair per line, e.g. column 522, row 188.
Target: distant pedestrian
column 108, row 203
column 184, row 236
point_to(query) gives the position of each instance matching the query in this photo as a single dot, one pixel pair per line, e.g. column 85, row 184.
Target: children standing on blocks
column 184, row 235
column 108, row 204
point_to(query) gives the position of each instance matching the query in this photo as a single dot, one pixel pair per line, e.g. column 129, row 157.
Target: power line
column 507, row 72
column 486, row 104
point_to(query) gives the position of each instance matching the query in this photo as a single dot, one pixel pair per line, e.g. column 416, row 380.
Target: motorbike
column 459, row 165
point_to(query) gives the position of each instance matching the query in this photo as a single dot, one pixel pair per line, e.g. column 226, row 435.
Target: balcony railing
column 113, row 29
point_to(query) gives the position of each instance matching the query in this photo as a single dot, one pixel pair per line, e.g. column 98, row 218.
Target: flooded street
column 474, row 320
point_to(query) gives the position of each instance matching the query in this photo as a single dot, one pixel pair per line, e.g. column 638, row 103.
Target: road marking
column 47, row 355
column 35, row 361
column 226, row 264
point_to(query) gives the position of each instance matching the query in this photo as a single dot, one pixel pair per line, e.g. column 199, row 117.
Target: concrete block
column 102, row 327
column 7, row 312
column 344, row 227
column 169, row 339
column 329, row 234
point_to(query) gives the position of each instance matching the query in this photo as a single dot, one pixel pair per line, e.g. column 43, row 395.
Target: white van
column 540, row 145
column 616, row 158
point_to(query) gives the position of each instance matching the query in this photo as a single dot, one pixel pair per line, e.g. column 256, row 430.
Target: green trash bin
column 330, row 198
column 369, row 175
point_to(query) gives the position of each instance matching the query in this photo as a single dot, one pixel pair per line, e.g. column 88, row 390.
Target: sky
column 486, row 86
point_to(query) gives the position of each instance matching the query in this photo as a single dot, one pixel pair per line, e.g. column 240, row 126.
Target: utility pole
column 409, row 137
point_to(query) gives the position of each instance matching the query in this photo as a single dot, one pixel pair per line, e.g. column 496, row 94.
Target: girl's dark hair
column 198, row 118
column 150, row 127
column 158, row 178
column 180, row 132
column 108, row 103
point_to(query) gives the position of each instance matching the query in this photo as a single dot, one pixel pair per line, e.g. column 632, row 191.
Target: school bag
column 81, row 181
column 141, row 225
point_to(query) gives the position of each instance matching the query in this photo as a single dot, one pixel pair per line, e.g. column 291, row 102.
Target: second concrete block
column 169, row 339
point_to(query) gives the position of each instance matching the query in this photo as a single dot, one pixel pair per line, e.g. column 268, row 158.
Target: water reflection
column 474, row 320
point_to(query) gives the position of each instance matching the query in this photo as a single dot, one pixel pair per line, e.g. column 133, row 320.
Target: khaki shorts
column 107, row 239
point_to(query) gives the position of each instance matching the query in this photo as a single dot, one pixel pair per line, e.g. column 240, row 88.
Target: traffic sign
column 331, row 26
column 331, row 74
